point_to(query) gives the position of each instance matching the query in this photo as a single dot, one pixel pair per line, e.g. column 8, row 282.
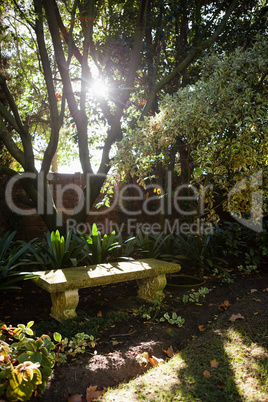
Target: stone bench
column 63, row 284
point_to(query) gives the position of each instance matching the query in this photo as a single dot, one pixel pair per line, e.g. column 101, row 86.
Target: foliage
column 100, row 249
column 194, row 297
column 193, row 252
column 174, row 319
column 151, row 312
column 12, row 256
column 127, row 247
column 216, row 130
column 150, row 244
column 26, row 364
column 239, row 246
column 87, row 324
column 77, row 344
column 56, row 252
column 59, row 51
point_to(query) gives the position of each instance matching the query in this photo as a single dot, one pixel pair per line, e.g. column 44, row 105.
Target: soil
column 114, row 358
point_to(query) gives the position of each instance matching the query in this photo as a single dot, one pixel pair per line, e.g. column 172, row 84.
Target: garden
column 206, row 340
column 166, row 102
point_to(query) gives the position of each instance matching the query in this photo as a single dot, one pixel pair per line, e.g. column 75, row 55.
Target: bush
column 12, row 256
column 26, row 363
column 57, row 252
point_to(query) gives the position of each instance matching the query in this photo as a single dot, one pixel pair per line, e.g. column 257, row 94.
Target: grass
column 240, row 349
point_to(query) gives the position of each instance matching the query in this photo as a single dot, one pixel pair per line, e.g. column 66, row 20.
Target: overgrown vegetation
column 26, row 360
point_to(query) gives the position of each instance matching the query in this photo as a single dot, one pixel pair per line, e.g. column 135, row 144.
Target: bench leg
column 64, row 305
column 151, row 289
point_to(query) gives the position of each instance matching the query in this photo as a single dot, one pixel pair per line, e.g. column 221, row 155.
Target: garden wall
column 132, row 208
column 116, row 218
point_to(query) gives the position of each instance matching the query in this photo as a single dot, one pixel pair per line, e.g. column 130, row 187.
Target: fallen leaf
column 76, row 398
column 220, row 385
column 235, row 317
column 114, row 343
column 257, row 300
column 155, row 361
column 256, row 313
column 202, row 328
column 92, row 394
column 206, row 374
column 265, row 290
column 214, row 363
column 253, row 290
column 143, row 358
column 99, row 314
column 170, row 352
column 223, row 306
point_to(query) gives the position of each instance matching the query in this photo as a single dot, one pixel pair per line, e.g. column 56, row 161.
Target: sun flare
column 100, row 89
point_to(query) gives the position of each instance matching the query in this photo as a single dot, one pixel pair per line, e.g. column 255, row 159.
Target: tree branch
column 79, row 116
column 115, row 132
column 18, row 126
column 17, row 123
column 6, row 170
column 13, row 149
column 54, row 116
column 189, row 58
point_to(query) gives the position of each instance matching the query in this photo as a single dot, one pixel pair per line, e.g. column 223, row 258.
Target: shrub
column 26, row 363
column 57, row 252
column 99, row 249
column 12, row 256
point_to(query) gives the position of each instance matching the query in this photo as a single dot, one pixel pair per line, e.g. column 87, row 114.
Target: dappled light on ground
column 249, row 362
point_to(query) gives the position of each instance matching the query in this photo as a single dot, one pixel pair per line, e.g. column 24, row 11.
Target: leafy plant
column 127, row 247
column 174, row 319
column 194, row 297
column 240, row 246
column 194, row 252
column 57, row 252
column 26, row 364
column 151, row 312
column 150, row 244
column 98, row 249
column 77, row 344
column 12, row 256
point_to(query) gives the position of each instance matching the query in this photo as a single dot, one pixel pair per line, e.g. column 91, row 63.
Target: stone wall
column 132, row 208
column 31, row 226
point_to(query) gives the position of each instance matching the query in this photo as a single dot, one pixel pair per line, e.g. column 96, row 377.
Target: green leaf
column 57, row 337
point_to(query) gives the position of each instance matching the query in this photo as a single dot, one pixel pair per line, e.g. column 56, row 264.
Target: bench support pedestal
column 64, row 304
column 151, row 289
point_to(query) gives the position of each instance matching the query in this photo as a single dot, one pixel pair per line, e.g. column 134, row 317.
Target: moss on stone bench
column 63, row 284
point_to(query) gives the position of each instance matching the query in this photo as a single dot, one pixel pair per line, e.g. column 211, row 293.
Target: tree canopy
column 219, row 125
